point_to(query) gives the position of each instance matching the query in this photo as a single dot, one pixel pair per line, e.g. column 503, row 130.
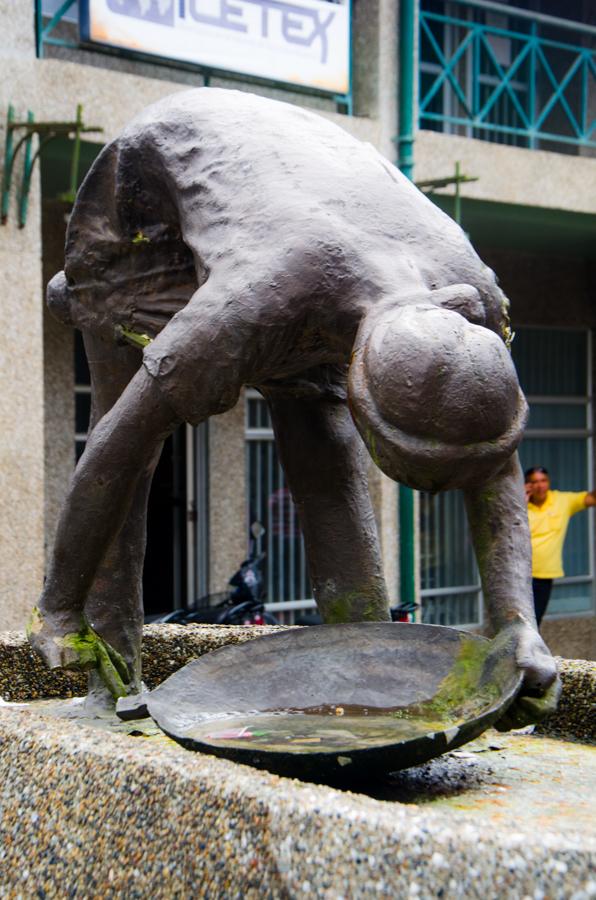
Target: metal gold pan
column 349, row 700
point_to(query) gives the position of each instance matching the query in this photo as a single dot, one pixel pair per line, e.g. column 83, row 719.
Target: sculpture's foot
column 134, row 706
column 47, row 633
column 67, row 641
column 99, row 701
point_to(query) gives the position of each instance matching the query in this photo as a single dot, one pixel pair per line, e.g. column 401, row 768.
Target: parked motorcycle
column 243, row 604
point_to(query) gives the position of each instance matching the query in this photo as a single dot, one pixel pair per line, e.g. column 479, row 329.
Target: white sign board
column 304, row 42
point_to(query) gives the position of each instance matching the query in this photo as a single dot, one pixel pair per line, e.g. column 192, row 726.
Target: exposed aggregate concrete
column 166, row 648
column 87, row 813
column 90, row 814
column 576, row 714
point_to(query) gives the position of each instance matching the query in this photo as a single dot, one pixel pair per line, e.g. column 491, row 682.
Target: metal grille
column 450, row 584
column 504, row 75
column 554, row 367
column 270, row 502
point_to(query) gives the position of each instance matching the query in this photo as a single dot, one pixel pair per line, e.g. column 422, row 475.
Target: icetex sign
column 303, row 42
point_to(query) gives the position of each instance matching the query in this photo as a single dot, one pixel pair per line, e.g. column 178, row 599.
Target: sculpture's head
column 435, row 398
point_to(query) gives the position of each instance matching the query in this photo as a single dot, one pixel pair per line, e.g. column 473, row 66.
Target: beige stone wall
column 52, row 88
column 21, row 360
column 21, row 436
column 21, row 414
column 227, row 496
column 17, row 30
column 509, row 174
column 58, row 376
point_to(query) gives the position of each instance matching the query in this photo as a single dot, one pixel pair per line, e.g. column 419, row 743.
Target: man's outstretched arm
column 498, row 520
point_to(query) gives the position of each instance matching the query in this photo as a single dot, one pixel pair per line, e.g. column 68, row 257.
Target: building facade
column 489, row 107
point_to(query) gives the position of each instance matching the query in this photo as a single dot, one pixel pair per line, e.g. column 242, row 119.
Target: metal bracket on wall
column 435, row 184
column 20, row 134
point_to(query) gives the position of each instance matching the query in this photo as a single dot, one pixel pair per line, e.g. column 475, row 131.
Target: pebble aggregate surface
column 87, row 812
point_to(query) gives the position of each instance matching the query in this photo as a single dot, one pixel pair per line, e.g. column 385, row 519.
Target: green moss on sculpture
column 461, row 694
column 91, row 652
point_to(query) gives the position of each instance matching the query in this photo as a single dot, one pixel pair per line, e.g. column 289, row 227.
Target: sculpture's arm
column 498, row 520
column 121, row 447
column 201, row 354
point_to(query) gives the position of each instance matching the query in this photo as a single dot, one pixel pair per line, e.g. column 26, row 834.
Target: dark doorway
column 164, row 587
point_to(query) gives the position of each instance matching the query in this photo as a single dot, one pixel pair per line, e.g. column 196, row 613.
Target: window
column 449, row 580
column 270, row 502
column 554, row 367
column 506, row 75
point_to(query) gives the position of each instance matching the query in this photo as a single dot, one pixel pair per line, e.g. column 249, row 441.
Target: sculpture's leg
column 98, row 547
column 114, row 605
column 325, row 462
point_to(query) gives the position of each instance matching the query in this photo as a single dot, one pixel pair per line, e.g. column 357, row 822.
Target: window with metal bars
column 554, row 366
column 449, row 579
column 287, row 584
column 507, row 75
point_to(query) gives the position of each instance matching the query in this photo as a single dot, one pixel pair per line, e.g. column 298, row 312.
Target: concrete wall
column 509, row 174
column 228, row 526
column 22, row 416
column 21, row 362
column 58, row 378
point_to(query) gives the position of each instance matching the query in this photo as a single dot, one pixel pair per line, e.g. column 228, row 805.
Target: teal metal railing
column 502, row 74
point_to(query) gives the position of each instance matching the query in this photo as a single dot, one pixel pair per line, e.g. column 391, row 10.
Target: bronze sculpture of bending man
column 249, row 242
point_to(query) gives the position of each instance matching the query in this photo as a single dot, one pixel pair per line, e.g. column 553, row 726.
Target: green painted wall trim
column 407, row 556
column 407, row 21
column 405, row 161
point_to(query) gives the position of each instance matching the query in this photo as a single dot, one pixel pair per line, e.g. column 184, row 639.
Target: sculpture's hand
column 541, row 687
column 67, row 643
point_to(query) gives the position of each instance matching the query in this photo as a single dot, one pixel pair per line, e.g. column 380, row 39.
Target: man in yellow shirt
column 549, row 513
